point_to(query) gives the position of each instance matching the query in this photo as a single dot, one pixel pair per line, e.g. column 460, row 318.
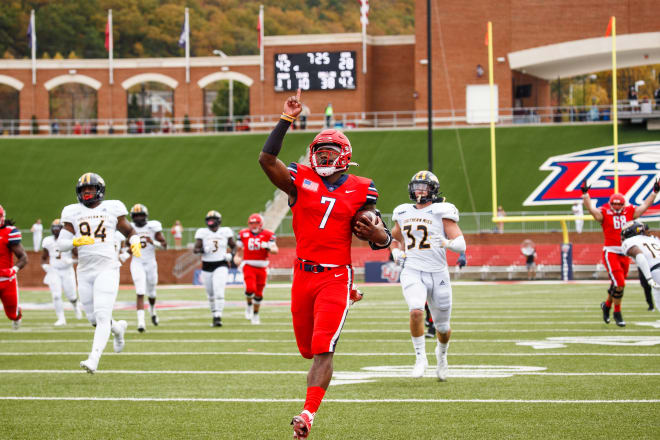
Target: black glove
column 584, row 187
column 656, row 186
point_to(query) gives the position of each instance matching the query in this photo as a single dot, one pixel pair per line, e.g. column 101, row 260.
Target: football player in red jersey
column 255, row 244
column 612, row 216
column 323, row 200
column 10, row 245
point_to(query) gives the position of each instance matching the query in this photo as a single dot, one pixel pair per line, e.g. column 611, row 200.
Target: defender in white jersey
column 644, row 248
column 212, row 242
column 144, row 269
column 91, row 225
column 423, row 231
column 60, row 276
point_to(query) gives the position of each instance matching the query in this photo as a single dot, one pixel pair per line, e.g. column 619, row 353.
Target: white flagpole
column 187, row 31
column 261, row 39
column 111, row 47
column 34, row 48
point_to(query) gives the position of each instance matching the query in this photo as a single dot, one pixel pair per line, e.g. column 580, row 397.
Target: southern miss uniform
column 60, row 277
column 214, row 265
column 650, row 247
column 425, row 275
column 9, row 236
column 615, row 260
column 144, row 269
column 255, row 258
column 323, row 276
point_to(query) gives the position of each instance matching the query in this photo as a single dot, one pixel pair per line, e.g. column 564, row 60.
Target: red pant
column 255, row 279
column 617, row 267
column 319, row 305
column 9, row 297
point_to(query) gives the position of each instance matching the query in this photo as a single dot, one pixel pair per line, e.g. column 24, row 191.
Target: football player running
column 10, row 246
column 254, row 245
column 431, row 227
column 323, row 200
column 60, row 275
column 644, row 248
column 612, row 216
column 90, row 225
column 211, row 242
column 144, row 268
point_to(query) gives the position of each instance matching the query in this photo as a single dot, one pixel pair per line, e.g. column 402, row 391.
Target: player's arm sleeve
column 14, row 237
column 199, row 234
column 388, row 242
column 118, row 209
column 643, row 265
column 156, row 226
column 65, row 240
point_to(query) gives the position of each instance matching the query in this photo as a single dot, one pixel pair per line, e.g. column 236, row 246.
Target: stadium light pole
column 429, row 86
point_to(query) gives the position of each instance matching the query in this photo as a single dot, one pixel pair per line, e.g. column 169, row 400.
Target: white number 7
column 331, row 202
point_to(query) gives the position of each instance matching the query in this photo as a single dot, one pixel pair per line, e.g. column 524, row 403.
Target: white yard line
column 259, row 353
column 247, row 340
column 262, row 400
column 603, row 330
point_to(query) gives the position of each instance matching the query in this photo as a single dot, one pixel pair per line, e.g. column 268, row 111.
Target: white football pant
column 145, row 276
column 433, row 287
column 61, row 280
column 214, row 282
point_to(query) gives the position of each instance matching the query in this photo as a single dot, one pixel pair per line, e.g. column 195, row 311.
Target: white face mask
column 325, row 171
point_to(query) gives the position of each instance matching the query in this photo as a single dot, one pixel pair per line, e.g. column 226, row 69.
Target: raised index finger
column 298, row 94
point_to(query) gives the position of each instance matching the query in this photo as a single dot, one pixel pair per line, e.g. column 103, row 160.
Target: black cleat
column 430, row 333
column 141, row 329
column 650, row 309
column 154, row 319
column 606, row 312
column 619, row 319
column 217, row 321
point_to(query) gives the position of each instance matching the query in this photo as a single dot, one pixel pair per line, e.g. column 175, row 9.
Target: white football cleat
column 255, row 319
column 60, row 322
column 15, row 325
column 78, row 309
column 119, row 342
column 141, row 325
column 89, row 365
column 420, row 368
column 248, row 312
column 443, row 366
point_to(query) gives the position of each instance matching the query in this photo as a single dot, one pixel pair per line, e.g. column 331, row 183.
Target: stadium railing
column 391, row 119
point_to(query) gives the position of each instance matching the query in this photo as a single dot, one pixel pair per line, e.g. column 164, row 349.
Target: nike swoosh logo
column 338, row 275
column 350, row 191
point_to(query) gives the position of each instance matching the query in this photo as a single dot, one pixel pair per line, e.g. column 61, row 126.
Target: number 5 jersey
column 99, row 223
column 417, row 227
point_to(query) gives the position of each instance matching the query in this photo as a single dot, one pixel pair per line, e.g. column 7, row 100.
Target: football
column 365, row 216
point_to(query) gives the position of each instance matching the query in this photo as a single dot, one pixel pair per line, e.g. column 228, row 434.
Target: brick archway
column 11, row 82
column 64, row 79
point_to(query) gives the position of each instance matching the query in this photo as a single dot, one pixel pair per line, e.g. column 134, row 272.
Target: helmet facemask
column 327, row 159
column 255, row 223
column 426, row 184
column 617, row 202
column 139, row 218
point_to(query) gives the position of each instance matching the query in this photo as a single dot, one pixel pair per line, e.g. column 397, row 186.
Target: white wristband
column 457, row 244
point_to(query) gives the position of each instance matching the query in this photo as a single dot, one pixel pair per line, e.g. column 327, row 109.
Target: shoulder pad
column 445, row 210
column 155, row 225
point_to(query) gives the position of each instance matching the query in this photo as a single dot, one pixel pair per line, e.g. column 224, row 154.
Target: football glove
column 83, row 240
column 124, row 256
column 45, row 267
column 229, row 257
column 356, row 294
column 656, row 186
column 584, row 187
column 136, row 246
column 208, row 249
column 8, row 273
column 265, row 245
column 398, row 255
column 653, row 284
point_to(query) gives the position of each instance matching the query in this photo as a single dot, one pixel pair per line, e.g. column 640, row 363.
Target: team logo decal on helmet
column 213, row 219
column 617, row 198
column 255, row 222
column 139, row 214
column 632, row 228
column 424, row 181
column 90, row 179
column 329, row 152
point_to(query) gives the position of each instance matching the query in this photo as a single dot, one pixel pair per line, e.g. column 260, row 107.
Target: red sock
column 617, row 308
column 608, row 303
column 314, row 397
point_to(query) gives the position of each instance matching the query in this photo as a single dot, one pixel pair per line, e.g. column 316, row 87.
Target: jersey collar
column 333, row 186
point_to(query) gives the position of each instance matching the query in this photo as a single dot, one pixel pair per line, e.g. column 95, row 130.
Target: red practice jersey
column 253, row 254
column 613, row 222
column 322, row 214
column 9, row 236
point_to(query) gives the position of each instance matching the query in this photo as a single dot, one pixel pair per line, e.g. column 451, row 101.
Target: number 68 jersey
column 417, row 227
column 100, row 223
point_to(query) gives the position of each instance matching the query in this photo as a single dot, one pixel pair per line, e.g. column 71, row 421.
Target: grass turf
column 596, row 386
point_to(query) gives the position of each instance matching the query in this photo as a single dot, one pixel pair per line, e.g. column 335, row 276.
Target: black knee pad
column 258, row 299
column 617, row 294
column 249, row 295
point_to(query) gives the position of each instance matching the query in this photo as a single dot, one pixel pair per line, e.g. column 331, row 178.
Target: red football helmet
column 334, row 140
column 619, row 199
column 255, row 222
column 2, row 216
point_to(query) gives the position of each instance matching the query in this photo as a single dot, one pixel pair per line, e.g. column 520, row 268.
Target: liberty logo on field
column 637, row 169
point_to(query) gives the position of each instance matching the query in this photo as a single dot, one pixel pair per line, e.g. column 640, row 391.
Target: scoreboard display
column 315, row 71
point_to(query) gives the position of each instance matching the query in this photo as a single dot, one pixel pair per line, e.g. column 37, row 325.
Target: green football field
column 527, row 361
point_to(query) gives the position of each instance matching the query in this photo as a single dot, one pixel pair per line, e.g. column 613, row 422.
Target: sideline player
column 431, row 227
column 144, row 268
column 10, row 245
column 60, row 275
column 211, row 242
column 254, row 245
column 323, row 201
column 645, row 250
column 612, row 216
column 91, row 225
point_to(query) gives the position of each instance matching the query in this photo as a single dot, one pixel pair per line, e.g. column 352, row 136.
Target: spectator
column 177, row 232
column 632, row 99
column 578, row 211
column 500, row 225
column 55, row 127
column 656, row 95
column 304, row 113
column 77, row 128
column 528, row 250
column 328, row 115
column 37, row 234
column 460, row 264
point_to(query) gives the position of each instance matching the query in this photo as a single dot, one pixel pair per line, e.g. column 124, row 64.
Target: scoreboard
column 315, row 71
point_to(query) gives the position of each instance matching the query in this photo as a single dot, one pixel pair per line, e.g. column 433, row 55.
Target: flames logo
column 639, row 167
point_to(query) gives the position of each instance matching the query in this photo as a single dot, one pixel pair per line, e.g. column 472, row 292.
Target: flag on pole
column 183, row 38
column 108, row 34
column 110, row 46
column 184, row 41
column 364, row 11
column 608, row 32
column 32, row 44
column 29, row 34
column 259, row 26
column 486, row 38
